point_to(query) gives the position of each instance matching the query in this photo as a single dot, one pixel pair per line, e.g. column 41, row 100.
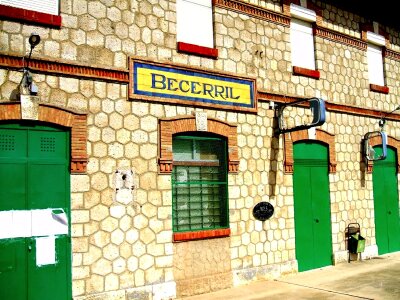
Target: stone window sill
column 306, row 72
column 197, row 50
column 198, row 235
column 29, row 16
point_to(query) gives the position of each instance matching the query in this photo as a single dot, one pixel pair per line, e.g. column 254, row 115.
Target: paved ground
column 376, row 278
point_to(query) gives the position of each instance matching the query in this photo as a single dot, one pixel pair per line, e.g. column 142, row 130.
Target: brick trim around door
column 11, row 111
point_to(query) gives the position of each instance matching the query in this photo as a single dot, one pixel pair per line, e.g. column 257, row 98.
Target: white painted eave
column 302, row 13
column 376, row 39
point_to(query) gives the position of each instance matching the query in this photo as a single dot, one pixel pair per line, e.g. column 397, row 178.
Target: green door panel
column 381, row 226
column 312, row 206
column 386, row 203
column 310, row 151
column 13, row 144
column 12, row 175
column 303, row 223
column 48, row 185
column 34, row 174
column 48, row 145
column 13, row 197
column 322, row 217
column 13, row 148
column 48, row 282
column 13, row 269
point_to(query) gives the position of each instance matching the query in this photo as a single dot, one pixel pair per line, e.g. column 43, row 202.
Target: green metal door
column 386, row 203
column 35, row 246
column 312, row 206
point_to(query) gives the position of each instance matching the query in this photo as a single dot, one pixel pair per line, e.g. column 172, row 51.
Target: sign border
column 188, row 102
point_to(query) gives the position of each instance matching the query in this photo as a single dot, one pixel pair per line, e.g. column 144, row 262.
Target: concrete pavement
column 377, row 278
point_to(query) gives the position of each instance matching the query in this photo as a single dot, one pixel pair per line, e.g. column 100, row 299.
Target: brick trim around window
column 29, row 16
column 197, row 50
column 204, row 234
column 295, row 136
column 378, row 88
column 306, row 72
column 169, row 127
column 76, row 122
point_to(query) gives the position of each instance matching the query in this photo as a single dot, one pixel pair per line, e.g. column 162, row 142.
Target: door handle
column 316, row 220
column 30, row 248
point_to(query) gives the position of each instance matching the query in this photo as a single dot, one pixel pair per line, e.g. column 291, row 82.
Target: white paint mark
column 44, row 224
column 45, row 250
column 124, row 180
column 28, row 223
column 21, row 224
column 6, row 220
column 124, row 196
column 312, row 133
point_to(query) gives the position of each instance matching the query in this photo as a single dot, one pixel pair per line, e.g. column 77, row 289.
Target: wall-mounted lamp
column 34, row 40
column 379, row 138
column 27, row 81
column 286, row 121
column 370, row 154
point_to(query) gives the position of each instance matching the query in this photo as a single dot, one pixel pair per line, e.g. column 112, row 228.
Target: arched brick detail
column 76, row 122
column 295, row 136
column 169, row 127
column 395, row 143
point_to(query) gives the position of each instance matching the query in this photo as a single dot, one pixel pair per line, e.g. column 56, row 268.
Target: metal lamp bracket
column 369, row 152
column 317, row 107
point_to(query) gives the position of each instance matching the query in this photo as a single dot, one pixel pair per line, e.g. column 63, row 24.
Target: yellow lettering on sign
column 185, row 85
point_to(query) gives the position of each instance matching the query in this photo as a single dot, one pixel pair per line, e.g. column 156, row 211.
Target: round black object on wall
column 263, row 211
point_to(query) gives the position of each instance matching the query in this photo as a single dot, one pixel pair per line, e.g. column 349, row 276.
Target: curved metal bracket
column 369, row 152
column 317, row 107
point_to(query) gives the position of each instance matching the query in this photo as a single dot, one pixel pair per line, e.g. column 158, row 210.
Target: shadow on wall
column 273, row 164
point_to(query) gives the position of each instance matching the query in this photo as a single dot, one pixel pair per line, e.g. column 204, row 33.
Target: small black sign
column 263, row 211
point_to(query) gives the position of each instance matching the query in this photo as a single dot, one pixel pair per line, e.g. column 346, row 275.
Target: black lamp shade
column 34, row 39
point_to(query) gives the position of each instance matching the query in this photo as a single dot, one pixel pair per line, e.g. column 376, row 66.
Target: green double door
column 35, row 246
column 312, row 211
column 386, row 203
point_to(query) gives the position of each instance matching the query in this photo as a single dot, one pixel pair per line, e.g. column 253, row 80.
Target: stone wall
column 123, row 248
column 202, row 266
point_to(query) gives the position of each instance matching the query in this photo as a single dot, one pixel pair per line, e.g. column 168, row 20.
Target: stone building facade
column 120, row 182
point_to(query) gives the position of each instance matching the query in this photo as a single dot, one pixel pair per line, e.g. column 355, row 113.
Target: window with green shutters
column 199, row 183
